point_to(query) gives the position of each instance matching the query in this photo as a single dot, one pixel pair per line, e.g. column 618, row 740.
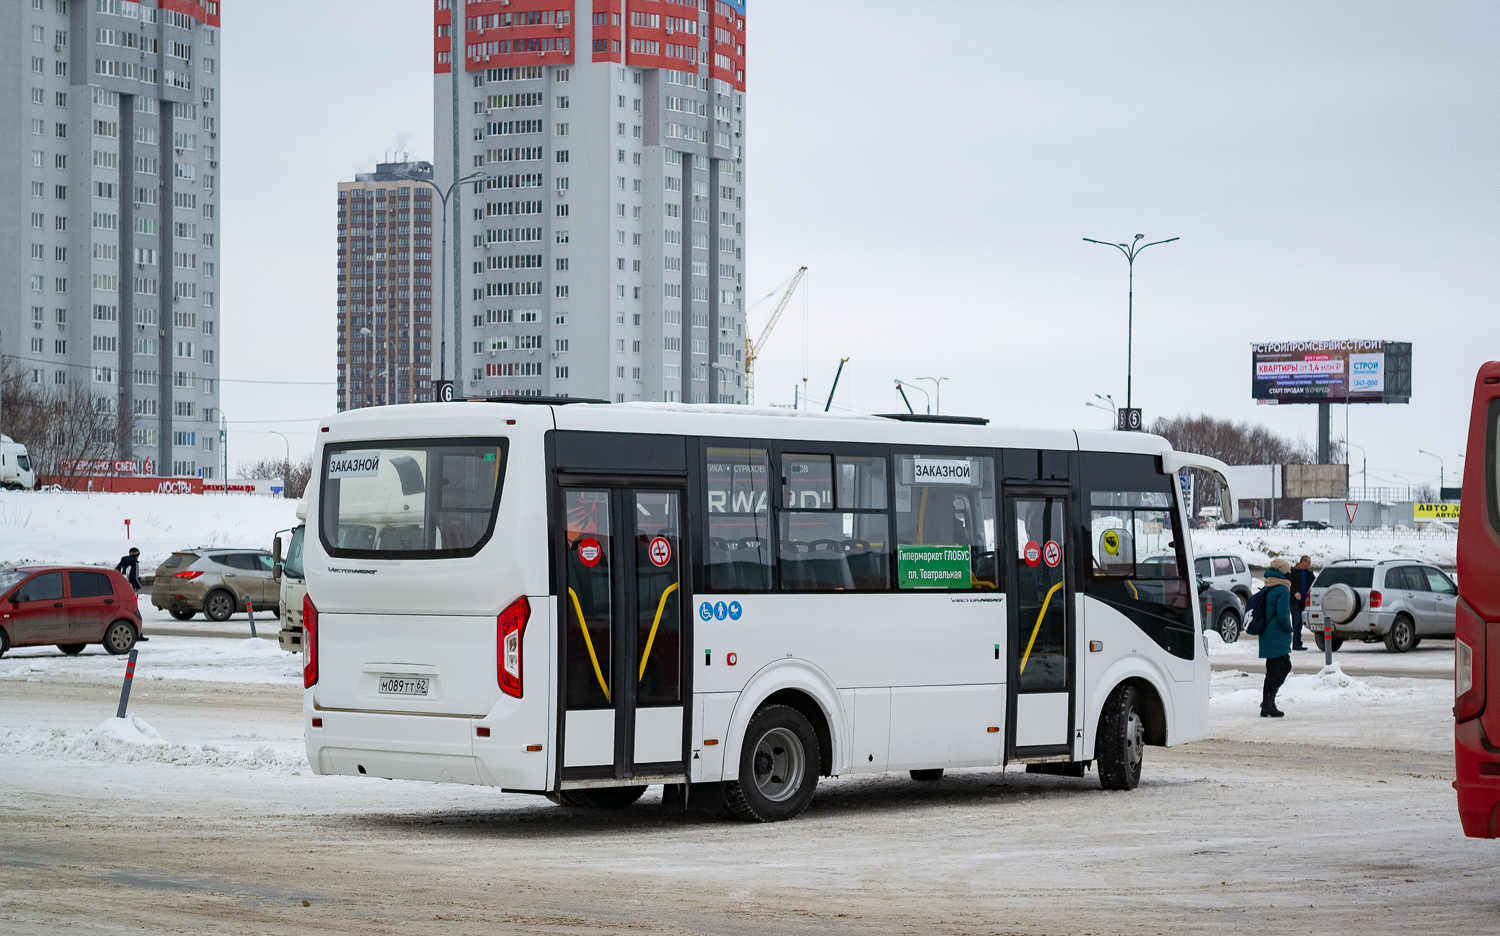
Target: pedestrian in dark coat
column 1276, row 636
column 130, row 567
column 1301, row 579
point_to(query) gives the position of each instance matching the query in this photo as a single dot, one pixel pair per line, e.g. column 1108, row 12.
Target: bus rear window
column 416, row 499
column 1353, row 576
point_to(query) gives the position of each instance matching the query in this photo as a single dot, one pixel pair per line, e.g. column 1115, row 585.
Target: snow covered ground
column 1259, row 547
column 89, row 529
column 199, row 814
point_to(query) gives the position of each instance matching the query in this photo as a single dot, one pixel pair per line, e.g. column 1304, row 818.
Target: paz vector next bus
column 583, row 600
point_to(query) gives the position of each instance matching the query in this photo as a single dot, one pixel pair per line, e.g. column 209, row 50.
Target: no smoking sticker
column 589, row 551
column 1052, row 554
column 1032, row 553
column 660, row 551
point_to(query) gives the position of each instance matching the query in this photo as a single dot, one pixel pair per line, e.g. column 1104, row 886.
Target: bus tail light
column 1375, row 599
column 510, row 628
column 309, row 643
column 1468, row 665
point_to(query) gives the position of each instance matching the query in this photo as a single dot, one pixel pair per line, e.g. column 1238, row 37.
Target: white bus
column 583, row 600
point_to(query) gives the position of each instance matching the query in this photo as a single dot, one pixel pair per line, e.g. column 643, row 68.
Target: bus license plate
column 403, row 685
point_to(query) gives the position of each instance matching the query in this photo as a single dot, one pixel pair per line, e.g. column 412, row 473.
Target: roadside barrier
column 125, row 689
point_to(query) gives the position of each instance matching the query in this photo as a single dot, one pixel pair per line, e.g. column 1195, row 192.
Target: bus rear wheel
column 1121, row 745
column 778, row 767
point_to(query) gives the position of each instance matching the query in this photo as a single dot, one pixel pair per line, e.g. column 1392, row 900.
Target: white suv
column 1396, row 600
column 1225, row 571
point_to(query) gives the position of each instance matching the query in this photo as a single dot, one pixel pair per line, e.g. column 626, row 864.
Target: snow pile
column 251, row 660
column 1259, row 547
column 1236, row 688
column 133, row 740
column 89, row 529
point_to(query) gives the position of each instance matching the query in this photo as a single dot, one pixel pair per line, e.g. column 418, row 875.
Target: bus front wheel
column 778, row 767
column 1122, row 740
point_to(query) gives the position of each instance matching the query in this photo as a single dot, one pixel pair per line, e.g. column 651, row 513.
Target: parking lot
column 1338, row 818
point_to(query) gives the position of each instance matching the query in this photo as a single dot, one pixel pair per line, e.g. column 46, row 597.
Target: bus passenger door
column 623, row 640
column 1042, row 624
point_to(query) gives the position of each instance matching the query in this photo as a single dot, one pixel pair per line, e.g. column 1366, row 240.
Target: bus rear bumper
column 1478, row 790
column 492, row 750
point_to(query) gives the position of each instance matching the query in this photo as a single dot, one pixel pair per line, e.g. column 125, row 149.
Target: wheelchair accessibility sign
column 718, row 611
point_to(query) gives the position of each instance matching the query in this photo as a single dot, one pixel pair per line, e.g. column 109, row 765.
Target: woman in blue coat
column 1276, row 636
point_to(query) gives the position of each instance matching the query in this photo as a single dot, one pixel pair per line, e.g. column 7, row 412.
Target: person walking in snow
column 1276, row 636
column 130, row 567
column 1301, row 579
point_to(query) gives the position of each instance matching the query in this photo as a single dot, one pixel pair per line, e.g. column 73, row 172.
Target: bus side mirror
column 276, row 559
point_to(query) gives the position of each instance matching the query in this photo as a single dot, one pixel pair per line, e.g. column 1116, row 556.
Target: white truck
column 15, row 466
column 288, row 571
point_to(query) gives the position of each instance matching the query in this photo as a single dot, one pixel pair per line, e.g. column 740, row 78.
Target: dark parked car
column 1249, row 523
column 69, row 606
column 1310, row 525
column 1221, row 611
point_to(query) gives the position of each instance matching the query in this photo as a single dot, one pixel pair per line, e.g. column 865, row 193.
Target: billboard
column 1331, row 371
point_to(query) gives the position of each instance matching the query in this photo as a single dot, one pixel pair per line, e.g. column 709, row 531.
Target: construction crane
column 752, row 351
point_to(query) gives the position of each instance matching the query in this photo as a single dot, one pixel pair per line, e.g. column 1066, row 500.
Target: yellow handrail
column 1037, row 629
column 651, row 638
column 589, row 643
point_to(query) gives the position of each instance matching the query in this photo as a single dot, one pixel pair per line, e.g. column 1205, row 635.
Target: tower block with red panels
column 600, row 252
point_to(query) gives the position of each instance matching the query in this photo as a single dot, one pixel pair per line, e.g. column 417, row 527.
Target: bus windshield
column 418, row 499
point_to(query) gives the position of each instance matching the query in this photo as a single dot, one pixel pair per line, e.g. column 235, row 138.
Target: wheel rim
column 119, row 638
column 1229, row 628
column 219, row 606
column 1403, row 634
column 1135, row 740
column 778, row 765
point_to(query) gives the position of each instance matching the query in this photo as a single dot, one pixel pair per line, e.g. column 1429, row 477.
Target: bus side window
column 834, row 529
column 946, row 501
column 738, row 557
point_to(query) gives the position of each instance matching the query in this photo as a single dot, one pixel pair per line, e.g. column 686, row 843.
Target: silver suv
column 1226, row 571
column 1395, row 600
column 217, row 582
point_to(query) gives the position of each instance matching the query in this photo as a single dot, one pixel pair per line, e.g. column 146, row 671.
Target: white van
column 15, row 466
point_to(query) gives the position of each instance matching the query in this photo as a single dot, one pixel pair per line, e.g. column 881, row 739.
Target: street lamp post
column 443, row 315
column 1131, row 251
column 1364, row 466
column 1112, row 409
column 1442, row 479
column 937, row 391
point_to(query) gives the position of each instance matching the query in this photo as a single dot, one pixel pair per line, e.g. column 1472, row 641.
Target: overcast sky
column 1330, row 168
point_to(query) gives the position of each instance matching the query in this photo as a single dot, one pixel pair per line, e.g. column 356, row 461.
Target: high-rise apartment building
column 599, row 219
column 386, row 292
column 109, row 221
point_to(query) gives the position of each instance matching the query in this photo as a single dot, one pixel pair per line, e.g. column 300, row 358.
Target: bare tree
column 64, row 427
column 294, row 475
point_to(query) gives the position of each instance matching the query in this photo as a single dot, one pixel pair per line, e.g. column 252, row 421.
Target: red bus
column 1476, row 682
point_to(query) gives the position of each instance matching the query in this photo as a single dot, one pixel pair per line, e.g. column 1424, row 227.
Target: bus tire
column 927, row 775
column 1122, row 740
column 778, row 767
column 602, row 797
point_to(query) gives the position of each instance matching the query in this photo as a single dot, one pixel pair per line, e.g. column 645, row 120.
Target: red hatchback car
column 69, row 606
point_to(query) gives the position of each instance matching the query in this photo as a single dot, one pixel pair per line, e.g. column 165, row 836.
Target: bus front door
column 624, row 633
column 1042, row 637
